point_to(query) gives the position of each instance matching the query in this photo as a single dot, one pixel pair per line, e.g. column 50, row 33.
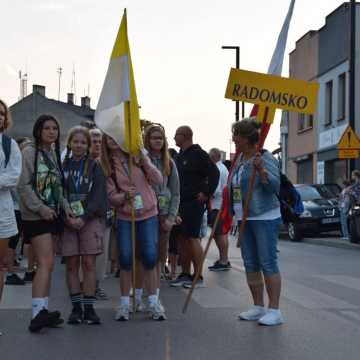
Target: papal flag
column 117, row 113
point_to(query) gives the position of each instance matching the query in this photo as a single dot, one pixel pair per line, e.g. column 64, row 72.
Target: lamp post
column 237, row 64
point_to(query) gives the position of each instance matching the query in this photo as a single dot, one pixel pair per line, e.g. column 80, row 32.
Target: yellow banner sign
column 348, row 154
column 272, row 91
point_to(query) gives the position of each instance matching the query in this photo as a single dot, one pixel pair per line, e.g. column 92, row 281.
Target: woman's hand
column 130, row 194
column 79, row 223
column 167, row 224
column 178, row 220
column 259, row 166
column 47, row 214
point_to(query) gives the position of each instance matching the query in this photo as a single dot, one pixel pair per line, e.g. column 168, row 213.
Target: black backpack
column 291, row 205
column 6, row 146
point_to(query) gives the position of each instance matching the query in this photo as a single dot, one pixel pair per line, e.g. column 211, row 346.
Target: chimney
column 85, row 102
column 70, row 98
column 39, row 89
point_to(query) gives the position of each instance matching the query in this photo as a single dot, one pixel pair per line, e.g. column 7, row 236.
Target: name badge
column 236, row 194
column 77, row 208
column 138, row 202
column 163, row 202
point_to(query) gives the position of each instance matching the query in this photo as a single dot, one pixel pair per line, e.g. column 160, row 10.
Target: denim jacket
column 264, row 196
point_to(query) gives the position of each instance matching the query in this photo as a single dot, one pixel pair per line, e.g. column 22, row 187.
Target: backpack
column 6, row 146
column 291, row 205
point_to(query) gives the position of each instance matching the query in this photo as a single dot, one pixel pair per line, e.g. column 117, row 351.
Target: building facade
column 323, row 56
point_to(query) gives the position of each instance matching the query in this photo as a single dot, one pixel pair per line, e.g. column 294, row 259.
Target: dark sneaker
column 199, row 284
column 14, row 279
column 218, row 266
column 180, row 280
column 76, row 316
column 90, row 317
column 29, row 276
column 43, row 319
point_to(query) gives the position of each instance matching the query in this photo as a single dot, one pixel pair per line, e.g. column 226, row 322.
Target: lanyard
column 77, row 179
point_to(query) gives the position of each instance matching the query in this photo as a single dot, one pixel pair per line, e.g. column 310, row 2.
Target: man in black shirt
column 199, row 177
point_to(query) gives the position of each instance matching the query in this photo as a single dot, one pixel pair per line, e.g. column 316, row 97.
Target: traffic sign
column 348, row 154
column 349, row 140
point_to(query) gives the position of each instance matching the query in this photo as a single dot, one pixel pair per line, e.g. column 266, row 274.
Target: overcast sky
column 180, row 69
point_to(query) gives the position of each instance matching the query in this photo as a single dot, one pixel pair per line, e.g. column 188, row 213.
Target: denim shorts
column 147, row 242
column 259, row 246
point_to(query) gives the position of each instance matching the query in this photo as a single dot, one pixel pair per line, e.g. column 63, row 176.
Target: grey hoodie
column 170, row 188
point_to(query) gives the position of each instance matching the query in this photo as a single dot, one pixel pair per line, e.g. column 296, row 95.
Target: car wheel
column 294, row 232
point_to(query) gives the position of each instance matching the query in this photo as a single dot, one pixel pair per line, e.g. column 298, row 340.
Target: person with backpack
column 168, row 193
column 130, row 191
column 83, row 236
column 259, row 241
column 10, row 170
column 43, row 208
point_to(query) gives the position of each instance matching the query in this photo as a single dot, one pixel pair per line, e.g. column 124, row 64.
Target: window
column 310, row 121
column 341, row 96
column 305, row 171
column 301, row 122
column 328, row 103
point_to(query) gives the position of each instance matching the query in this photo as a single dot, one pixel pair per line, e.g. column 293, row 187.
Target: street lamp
column 237, row 49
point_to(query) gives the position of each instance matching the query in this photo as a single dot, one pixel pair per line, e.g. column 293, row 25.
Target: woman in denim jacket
column 259, row 241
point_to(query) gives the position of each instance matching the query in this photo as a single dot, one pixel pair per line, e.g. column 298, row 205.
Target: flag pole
column 133, row 229
column 197, row 274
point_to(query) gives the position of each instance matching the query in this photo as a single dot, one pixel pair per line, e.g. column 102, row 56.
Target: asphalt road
column 320, row 304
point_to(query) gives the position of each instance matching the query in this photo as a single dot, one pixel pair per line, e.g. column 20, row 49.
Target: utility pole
column 59, row 71
column 352, row 74
column 237, row 64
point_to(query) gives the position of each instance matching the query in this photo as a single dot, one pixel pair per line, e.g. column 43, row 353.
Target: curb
column 330, row 242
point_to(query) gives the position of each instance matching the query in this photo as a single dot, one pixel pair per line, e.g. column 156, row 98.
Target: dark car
column 321, row 213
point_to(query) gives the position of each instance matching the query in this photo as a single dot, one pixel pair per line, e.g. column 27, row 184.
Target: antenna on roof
column 59, row 71
column 73, row 83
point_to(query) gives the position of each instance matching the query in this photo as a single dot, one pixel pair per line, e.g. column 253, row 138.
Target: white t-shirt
column 238, row 208
column 217, row 197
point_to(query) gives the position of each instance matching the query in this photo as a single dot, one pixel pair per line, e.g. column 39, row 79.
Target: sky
column 180, row 70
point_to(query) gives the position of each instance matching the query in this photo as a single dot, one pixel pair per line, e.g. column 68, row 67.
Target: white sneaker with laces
column 271, row 318
column 122, row 313
column 156, row 312
column 253, row 314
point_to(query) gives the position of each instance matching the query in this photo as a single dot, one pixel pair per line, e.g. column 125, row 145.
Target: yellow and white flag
column 117, row 112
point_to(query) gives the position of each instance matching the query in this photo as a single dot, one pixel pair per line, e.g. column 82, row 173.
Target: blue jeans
column 147, row 236
column 344, row 223
column 259, row 246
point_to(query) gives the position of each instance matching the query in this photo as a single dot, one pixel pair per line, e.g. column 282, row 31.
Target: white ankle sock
column 37, row 305
column 46, row 303
column 138, row 294
column 125, row 300
column 157, row 292
column 152, row 300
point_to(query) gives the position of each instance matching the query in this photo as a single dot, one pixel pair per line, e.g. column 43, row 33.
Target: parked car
column 321, row 213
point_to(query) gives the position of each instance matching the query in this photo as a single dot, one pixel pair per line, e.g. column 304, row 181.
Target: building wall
column 302, row 144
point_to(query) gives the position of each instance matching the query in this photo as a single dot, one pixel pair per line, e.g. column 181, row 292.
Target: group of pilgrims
column 72, row 202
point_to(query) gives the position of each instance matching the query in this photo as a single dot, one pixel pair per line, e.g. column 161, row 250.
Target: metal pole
column 352, row 74
column 237, row 64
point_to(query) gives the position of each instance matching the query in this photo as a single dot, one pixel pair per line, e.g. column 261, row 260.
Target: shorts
column 173, row 240
column 191, row 213
column 211, row 220
column 33, row 228
column 88, row 240
column 14, row 240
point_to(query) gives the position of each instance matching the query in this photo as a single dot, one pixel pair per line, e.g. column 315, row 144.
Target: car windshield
column 308, row 193
column 327, row 191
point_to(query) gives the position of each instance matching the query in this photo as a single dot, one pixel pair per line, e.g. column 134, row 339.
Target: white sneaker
column 271, row 318
column 122, row 313
column 255, row 313
column 140, row 306
column 161, row 306
column 156, row 312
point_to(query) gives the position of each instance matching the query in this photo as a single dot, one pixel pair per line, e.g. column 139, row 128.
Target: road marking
column 313, row 299
column 342, row 280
